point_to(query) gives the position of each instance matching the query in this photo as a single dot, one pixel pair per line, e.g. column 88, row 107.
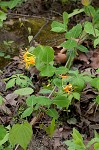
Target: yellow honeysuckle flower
column 68, row 88
column 64, row 77
column 29, row 59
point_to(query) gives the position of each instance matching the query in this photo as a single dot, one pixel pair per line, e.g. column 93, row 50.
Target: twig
column 16, row 146
column 28, row 16
column 52, row 92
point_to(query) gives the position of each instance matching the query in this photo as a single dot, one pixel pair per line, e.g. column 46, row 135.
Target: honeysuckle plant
column 64, row 85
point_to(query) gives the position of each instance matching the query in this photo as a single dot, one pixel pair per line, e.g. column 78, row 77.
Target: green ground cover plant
column 64, row 85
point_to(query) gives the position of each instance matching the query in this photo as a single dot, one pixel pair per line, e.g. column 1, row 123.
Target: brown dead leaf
column 10, row 99
column 95, row 59
column 5, row 109
column 91, row 108
column 60, row 58
column 82, row 57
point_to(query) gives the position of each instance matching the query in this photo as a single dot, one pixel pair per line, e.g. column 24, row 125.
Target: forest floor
column 84, row 114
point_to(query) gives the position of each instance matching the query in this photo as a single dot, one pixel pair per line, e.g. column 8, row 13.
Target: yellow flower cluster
column 29, row 59
column 68, row 88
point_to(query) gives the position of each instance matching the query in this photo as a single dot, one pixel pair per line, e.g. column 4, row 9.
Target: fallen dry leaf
column 95, row 59
column 10, row 99
column 60, row 58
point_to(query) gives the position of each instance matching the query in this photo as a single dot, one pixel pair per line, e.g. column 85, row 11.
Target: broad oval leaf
column 10, row 83
column 82, row 48
column 74, row 32
column 48, row 54
column 47, row 70
column 61, row 70
column 24, row 91
column 43, row 101
column 57, row 27
column 76, row 95
column 69, row 44
column 2, row 132
column 52, row 113
column 61, row 101
column 27, row 112
column 88, row 28
column 31, row 100
column 96, row 42
column 45, row 91
column 21, row 134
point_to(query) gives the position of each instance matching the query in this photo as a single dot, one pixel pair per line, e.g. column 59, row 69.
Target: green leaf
column 58, row 82
column 74, row 32
column 97, row 70
column 5, row 139
column 58, row 27
column 96, row 18
column 31, row 100
column 94, row 140
column 78, row 83
column 77, row 137
column 2, row 132
column 45, row 91
column 95, row 83
column 44, row 60
column 52, row 113
column 47, row 70
column 61, row 101
column 61, row 70
column 2, row 54
column 51, row 128
column 97, row 100
column 75, row 12
column 48, row 54
column 10, row 83
column 43, row 101
column 1, row 100
column 7, row 57
column 24, row 91
column 21, row 134
column 82, row 48
column 89, row 10
column 96, row 42
column 2, row 16
column 27, row 112
column 11, row 4
column 38, row 52
column 76, row 95
column 69, row 44
column 71, row 145
column 96, row 146
column 88, row 28
column 65, row 18
column 87, row 78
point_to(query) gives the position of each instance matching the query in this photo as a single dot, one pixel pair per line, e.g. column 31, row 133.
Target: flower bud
column 86, row 2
